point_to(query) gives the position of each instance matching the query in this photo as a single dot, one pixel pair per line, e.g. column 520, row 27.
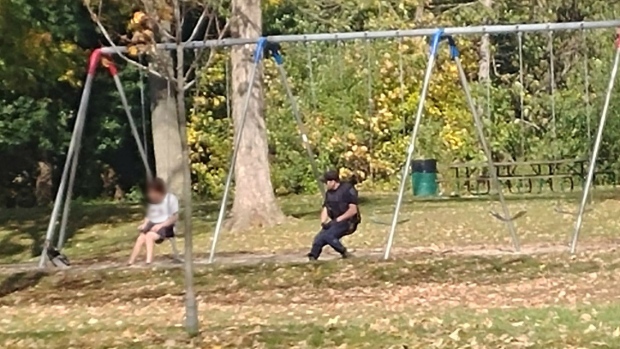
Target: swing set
column 269, row 47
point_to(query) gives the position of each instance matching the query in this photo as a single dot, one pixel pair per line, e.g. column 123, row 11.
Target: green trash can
column 424, row 177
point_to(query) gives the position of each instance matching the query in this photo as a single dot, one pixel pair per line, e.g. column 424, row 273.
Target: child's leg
column 151, row 237
column 137, row 247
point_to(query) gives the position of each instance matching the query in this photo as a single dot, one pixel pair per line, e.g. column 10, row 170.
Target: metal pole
column 300, row 124
column 487, row 150
column 132, row 124
column 258, row 54
column 595, row 150
column 74, row 163
column 79, row 120
column 473, row 30
column 414, row 134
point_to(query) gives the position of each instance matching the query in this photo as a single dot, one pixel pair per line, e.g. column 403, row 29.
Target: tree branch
column 107, row 36
column 151, row 12
column 450, row 8
column 161, row 59
column 202, row 18
column 194, row 65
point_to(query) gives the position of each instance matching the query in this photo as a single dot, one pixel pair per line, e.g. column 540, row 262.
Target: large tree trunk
column 164, row 121
column 165, row 131
column 255, row 203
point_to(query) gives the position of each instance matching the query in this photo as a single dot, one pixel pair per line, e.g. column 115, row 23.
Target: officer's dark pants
column 330, row 236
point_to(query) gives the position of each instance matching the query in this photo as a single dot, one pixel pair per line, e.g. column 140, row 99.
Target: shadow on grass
column 32, row 224
column 363, row 272
column 222, row 281
column 20, row 281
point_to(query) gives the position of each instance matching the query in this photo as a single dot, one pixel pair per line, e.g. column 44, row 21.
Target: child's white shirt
column 159, row 213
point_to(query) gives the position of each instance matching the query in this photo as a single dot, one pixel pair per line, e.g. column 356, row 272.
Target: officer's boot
column 346, row 254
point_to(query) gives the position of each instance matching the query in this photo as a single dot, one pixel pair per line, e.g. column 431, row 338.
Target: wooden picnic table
column 519, row 175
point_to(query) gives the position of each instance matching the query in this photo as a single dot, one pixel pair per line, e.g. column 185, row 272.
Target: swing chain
column 143, row 107
column 521, row 95
column 552, row 83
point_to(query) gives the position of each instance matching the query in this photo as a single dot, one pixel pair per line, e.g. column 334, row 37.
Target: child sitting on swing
column 161, row 216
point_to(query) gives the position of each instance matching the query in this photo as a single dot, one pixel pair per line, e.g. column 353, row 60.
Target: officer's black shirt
column 337, row 201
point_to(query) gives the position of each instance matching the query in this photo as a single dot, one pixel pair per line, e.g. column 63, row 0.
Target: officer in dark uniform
column 339, row 216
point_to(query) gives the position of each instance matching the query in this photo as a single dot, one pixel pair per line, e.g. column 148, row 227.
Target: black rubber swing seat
column 507, row 219
column 378, row 221
column 572, row 213
column 57, row 259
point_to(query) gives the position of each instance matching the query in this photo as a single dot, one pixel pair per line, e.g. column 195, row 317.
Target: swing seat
column 57, row 259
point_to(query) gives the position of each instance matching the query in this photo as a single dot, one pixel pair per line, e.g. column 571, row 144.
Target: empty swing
column 586, row 80
column 505, row 218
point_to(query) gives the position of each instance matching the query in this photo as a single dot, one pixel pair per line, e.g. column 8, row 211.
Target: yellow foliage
column 361, row 137
column 70, row 77
column 200, row 101
column 137, row 18
column 132, row 51
column 68, row 47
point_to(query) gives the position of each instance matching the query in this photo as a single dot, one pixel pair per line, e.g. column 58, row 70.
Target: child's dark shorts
column 164, row 233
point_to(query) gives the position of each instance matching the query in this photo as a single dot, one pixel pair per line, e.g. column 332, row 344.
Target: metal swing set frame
column 270, row 45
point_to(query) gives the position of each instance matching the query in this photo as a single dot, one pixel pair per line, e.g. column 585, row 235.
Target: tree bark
column 419, row 12
column 167, row 145
column 254, row 203
column 165, row 131
column 43, row 186
column 484, row 67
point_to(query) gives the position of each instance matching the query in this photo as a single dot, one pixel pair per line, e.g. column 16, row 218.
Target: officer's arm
column 324, row 216
column 351, row 212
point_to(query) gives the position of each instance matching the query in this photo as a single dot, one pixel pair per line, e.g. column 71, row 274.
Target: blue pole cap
column 435, row 41
column 260, row 47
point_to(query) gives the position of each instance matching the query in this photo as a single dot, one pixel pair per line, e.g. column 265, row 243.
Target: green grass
column 107, row 231
column 419, row 300
column 547, row 301
column 554, row 327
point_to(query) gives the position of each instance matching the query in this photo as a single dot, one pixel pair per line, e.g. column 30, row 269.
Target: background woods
column 353, row 96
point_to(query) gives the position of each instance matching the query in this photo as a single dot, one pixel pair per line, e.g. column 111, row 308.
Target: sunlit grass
column 107, row 231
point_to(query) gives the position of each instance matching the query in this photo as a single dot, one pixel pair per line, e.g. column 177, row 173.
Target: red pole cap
column 93, row 61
